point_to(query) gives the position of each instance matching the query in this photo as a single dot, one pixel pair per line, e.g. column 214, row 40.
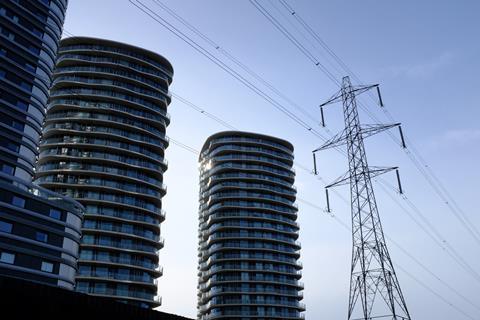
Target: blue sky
column 425, row 56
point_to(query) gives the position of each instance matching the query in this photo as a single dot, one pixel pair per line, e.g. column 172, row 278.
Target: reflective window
column 5, row 227
column 47, row 266
column 7, row 169
column 19, row 202
column 55, row 214
column 41, row 236
column 6, row 257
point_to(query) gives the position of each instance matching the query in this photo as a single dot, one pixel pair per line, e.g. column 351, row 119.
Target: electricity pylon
column 373, row 277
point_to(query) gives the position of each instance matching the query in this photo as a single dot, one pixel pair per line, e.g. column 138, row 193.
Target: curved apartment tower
column 103, row 144
column 39, row 230
column 248, row 253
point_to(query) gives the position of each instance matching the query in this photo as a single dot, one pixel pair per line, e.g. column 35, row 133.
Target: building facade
column 248, row 248
column 39, row 230
column 103, row 145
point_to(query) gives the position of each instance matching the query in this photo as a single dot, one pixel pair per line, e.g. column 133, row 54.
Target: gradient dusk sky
column 425, row 56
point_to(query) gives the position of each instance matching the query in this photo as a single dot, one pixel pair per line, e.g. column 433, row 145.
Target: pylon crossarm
column 376, row 171
column 373, row 172
column 368, row 130
column 337, row 140
column 342, row 180
column 335, row 98
column 358, row 90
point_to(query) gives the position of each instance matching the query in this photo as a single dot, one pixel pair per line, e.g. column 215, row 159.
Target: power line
column 235, row 60
column 431, row 231
column 415, row 156
column 148, row 11
column 202, row 111
column 435, row 293
column 319, row 178
column 437, row 238
column 347, row 228
column 193, row 150
column 294, row 41
column 184, row 146
column 190, row 104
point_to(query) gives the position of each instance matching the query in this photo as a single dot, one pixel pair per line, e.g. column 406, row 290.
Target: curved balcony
column 250, row 196
column 113, row 72
column 129, row 216
column 247, row 149
column 238, row 267
column 115, row 261
column 91, row 227
column 252, row 206
column 236, row 176
column 250, row 225
column 59, row 167
column 256, row 246
column 249, row 167
column 119, row 246
column 110, row 80
column 68, row 59
column 129, row 295
column 253, row 302
column 252, row 141
column 112, row 276
column 48, row 154
column 252, row 159
column 115, row 146
column 110, row 96
column 118, row 136
column 115, row 88
column 250, row 278
column 248, row 216
column 228, row 313
column 235, row 185
column 86, row 104
column 109, row 119
column 223, row 236
column 123, row 52
column 260, row 257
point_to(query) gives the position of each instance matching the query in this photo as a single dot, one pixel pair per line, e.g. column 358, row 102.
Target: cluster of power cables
column 285, row 105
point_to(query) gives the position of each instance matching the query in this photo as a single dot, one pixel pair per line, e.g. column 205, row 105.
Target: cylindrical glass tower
column 29, row 35
column 248, row 248
column 39, row 230
column 103, row 144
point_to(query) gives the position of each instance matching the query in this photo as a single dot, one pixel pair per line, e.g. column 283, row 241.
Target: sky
column 424, row 55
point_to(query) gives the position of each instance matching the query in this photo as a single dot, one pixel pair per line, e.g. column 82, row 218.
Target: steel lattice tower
column 373, row 277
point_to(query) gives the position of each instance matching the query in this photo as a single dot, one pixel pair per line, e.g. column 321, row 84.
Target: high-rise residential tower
column 39, row 230
column 248, row 248
column 103, row 145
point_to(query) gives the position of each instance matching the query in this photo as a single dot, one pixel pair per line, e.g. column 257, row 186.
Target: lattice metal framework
column 373, row 279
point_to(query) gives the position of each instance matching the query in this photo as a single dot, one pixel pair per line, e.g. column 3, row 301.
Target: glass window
column 6, row 257
column 19, row 202
column 41, row 236
column 7, row 169
column 101, row 271
column 47, row 266
column 5, row 226
column 18, row 125
column 13, row 146
column 55, row 214
column 22, row 105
